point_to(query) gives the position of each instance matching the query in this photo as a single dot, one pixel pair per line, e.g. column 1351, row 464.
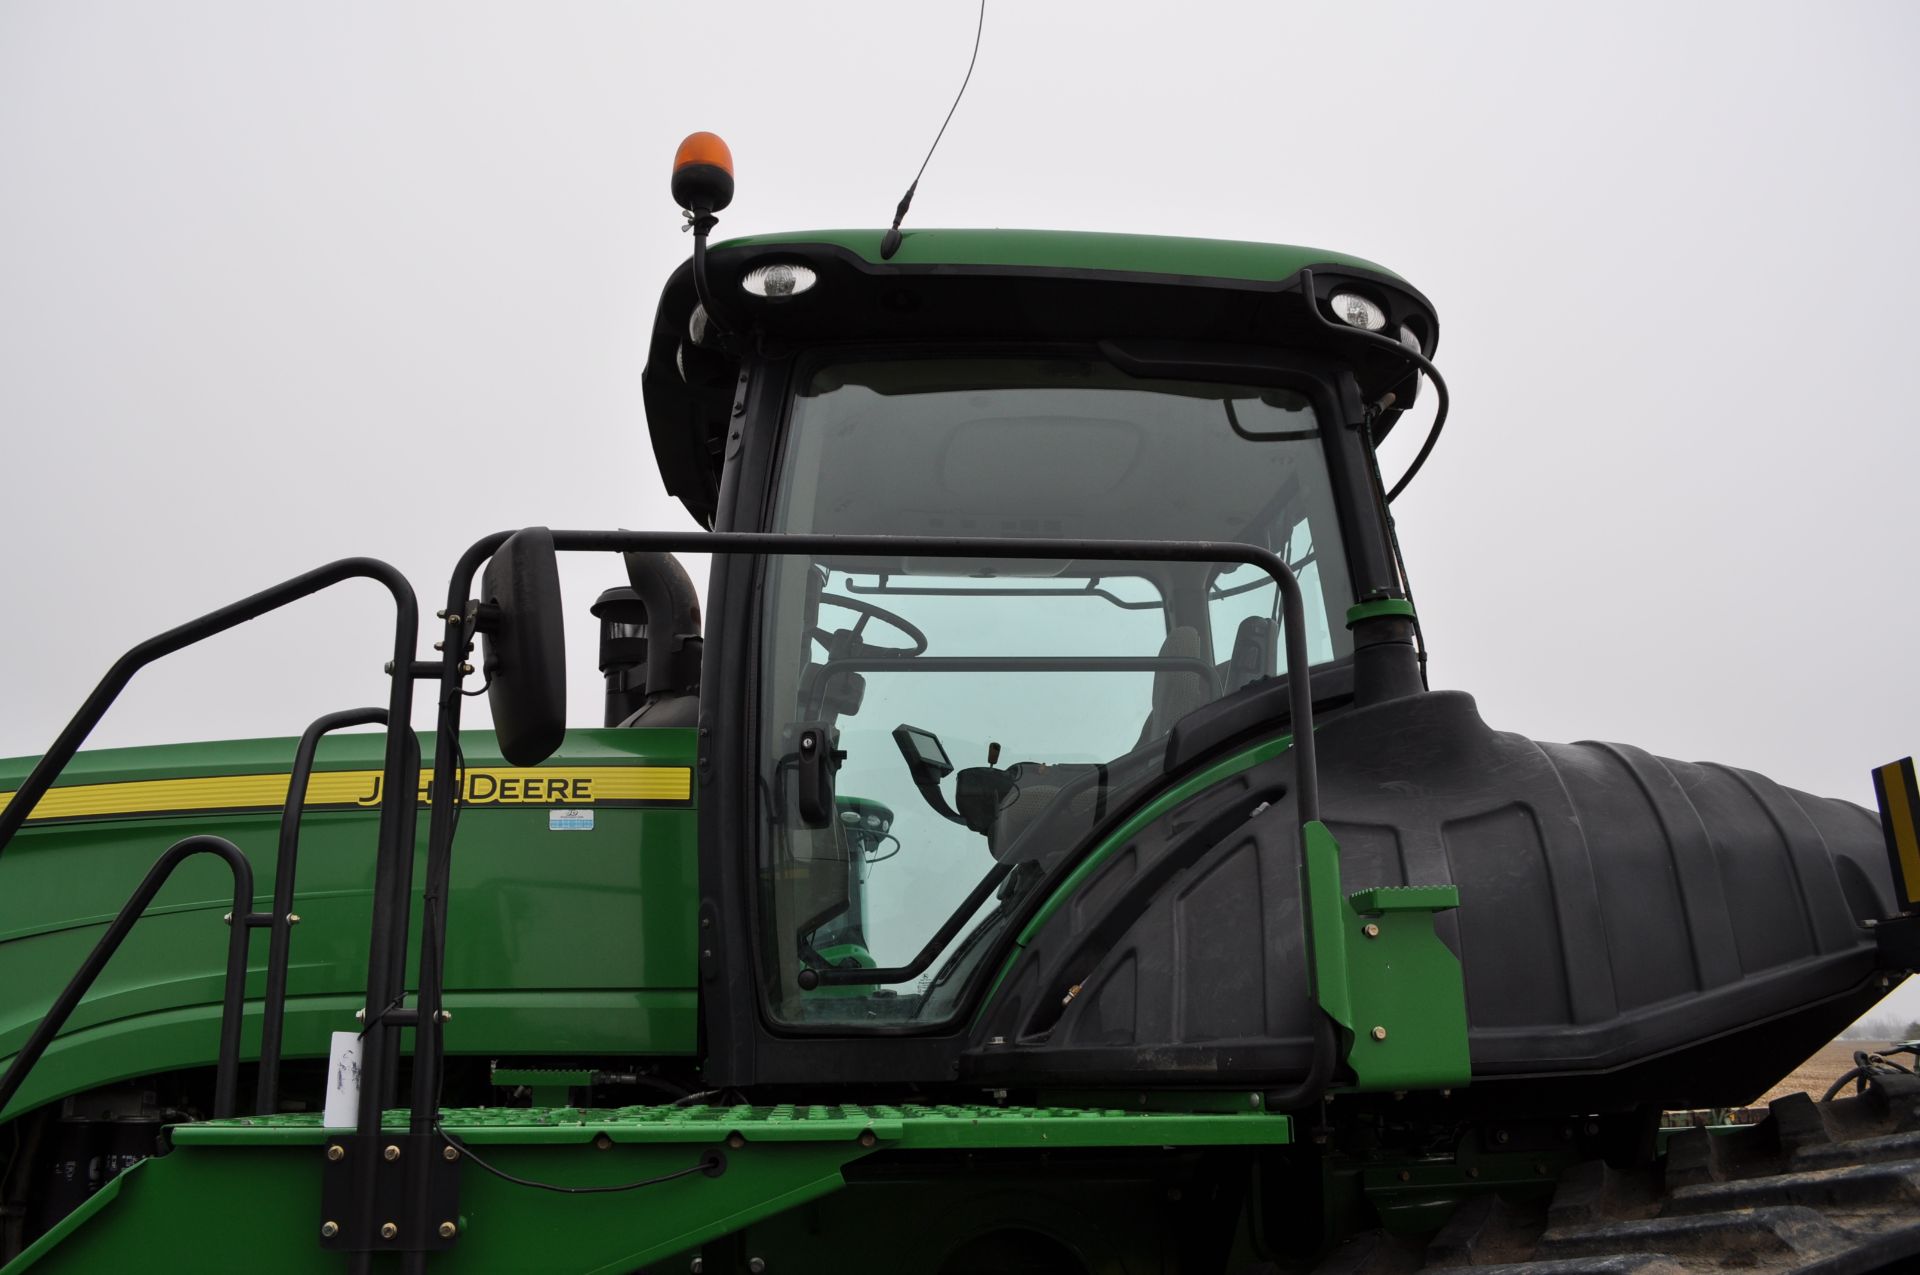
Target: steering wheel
column 868, row 611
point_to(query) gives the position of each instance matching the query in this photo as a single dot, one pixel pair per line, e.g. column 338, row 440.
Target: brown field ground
column 1816, row 1073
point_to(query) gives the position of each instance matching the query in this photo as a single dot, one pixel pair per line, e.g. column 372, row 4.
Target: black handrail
column 55, row 759
column 242, row 920
column 273, row 1011
column 393, row 865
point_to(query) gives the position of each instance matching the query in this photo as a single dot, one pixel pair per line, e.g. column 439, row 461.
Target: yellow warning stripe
column 485, row 786
column 1900, row 821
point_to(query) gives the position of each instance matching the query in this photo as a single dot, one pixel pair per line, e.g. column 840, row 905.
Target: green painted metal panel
column 1324, row 914
column 1077, row 250
column 920, row 1126
column 177, row 1213
column 1406, row 992
column 517, row 983
column 257, row 1208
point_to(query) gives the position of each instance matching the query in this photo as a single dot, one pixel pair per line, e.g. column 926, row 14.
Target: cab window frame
column 761, row 454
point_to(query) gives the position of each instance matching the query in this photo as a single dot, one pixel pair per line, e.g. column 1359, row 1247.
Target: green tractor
column 1047, row 856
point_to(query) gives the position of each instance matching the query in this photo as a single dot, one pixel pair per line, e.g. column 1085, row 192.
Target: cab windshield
column 992, row 712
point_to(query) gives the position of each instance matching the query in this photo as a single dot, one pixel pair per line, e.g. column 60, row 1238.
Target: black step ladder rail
column 242, row 922
column 393, row 868
column 281, row 918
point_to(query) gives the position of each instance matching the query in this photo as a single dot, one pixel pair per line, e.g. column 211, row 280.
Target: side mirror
column 524, row 647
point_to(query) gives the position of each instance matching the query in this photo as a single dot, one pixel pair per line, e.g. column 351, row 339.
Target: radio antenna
column 890, row 242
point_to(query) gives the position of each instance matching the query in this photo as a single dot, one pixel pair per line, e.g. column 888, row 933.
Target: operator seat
column 1078, row 792
column 1178, row 691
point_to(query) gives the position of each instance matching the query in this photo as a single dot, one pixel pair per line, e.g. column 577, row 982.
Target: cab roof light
column 779, row 279
column 1357, row 311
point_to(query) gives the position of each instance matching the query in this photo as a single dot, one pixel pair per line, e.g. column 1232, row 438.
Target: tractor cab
column 1046, row 828
column 1002, row 709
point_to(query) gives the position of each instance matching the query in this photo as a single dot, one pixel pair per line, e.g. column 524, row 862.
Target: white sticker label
column 342, row 1107
column 569, row 821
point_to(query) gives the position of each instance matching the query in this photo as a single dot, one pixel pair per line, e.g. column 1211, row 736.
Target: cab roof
column 1077, row 250
column 953, row 288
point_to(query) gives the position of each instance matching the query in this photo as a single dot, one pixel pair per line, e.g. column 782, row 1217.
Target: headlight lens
column 1355, row 310
column 784, row 279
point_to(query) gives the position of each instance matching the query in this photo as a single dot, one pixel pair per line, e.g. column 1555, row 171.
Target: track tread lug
column 1851, row 1186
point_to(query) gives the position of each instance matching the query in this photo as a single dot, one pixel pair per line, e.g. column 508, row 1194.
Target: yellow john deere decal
column 338, row 789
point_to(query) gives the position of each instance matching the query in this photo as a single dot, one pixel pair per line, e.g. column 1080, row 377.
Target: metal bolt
column 446, row 1015
column 1378, row 1033
column 329, row 1229
column 388, row 1230
column 699, row 1266
column 293, row 918
column 1253, row 1100
column 1502, row 1136
column 1371, row 930
column 360, row 1014
column 448, row 1230
column 449, row 1154
column 465, row 669
column 1473, row 1173
column 602, row 1142
column 867, row 1139
column 756, row 1265
column 335, row 1151
column 1405, row 1176
column 228, row 918
column 439, row 646
column 735, row 1141
column 439, row 615
column 392, row 1153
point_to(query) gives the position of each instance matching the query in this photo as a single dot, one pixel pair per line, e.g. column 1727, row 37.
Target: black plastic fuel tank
column 1631, row 928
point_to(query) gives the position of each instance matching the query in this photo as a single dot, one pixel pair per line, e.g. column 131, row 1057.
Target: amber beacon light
column 703, row 174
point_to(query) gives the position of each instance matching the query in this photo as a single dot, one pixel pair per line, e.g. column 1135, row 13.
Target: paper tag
column 343, row 1082
column 569, row 821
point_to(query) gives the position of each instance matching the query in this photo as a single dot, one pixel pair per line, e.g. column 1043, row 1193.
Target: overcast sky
column 280, row 284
